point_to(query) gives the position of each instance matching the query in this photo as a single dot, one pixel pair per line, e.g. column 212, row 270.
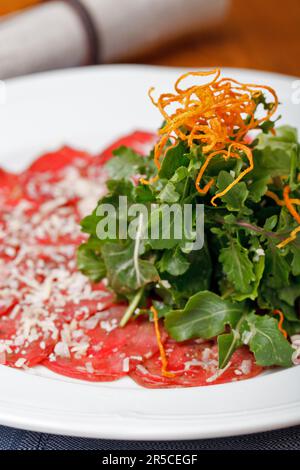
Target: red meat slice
column 10, row 188
column 194, row 365
column 6, row 306
column 56, row 161
column 140, row 142
column 45, row 328
column 51, row 168
column 86, row 308
column 17, row 351
column 110, row 354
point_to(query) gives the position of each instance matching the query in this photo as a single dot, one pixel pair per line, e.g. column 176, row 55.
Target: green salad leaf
column 237, row 266
column 90, row 263
column 267, row 343
column 205, row 315
column 247, row 265
column 126, row 271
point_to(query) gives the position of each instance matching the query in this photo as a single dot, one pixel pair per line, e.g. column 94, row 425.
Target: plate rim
column 288, row 415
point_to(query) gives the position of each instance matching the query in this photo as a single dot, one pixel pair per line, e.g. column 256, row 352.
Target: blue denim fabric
column 14, row 439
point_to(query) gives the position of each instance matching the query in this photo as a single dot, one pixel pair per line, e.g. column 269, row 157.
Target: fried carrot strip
column 213, row 113
column 280, row 322
column 289, row 204
column 290, row 239
column 202, row 171
column 150, row 181
column 248, row 153
column 278, row 201
column 215, row 72
column 162, row 351
column 275, row 198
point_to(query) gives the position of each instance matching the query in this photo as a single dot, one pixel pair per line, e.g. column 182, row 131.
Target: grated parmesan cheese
column 125, row 367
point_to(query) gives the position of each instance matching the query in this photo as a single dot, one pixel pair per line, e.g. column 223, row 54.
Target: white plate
column 88, row 108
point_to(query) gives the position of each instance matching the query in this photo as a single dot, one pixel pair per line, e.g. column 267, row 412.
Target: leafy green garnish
column 125, row 164
column 126, row 271
column 267, row 343
column 237, row 265
column 90, row 263
column 204, row 316
column 230, row 287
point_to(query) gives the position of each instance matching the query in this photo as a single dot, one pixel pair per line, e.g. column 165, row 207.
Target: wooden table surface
column 260, row 34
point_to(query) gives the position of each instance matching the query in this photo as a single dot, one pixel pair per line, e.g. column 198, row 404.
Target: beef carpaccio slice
column 54, row 162
column 10, row 188
column 50, row 313
column 194, row 363
column 25, row 345
column 140, row 141
column 40, row 287
column 99, row 350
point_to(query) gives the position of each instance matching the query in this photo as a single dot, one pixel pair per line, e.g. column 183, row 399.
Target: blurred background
column 38, row 35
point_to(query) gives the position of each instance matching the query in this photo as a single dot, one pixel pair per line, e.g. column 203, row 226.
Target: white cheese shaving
column 20, row 362
column 61, row 350
column 246, row 366
column 218, row 373
column 125, row 367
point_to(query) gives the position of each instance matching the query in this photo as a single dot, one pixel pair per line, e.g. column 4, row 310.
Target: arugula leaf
column 125, row 164
column 274, row 155
column 296, row 260
column 271, row 222
column 228, row 343
column 277, row 268
column 290, row 293
column 267, row 343
column 168, row 194
column 204, row 316
column 268, row 299
column 143, row 194
column 88, row 224
column 195, row 279
column 174, row 262
column 258, row 269
column 237, row 266
column 257, row 188
column 180, row 174
column 127, row 272
column 174, row 158
column 236, row 197
column 116, row 189
column 90, row 264
column 164, row 223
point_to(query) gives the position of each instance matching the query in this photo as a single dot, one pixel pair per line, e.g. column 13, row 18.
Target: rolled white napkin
column 55, row 34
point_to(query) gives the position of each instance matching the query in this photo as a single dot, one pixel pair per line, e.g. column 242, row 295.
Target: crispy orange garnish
column 248, row 153
column 278, row 201
column 164, row 360
column 150, row 181
column 214, row 114
column 289, row 204
column 275, row 198
column 280, row 322
column 290, row 239
column 202, row 171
